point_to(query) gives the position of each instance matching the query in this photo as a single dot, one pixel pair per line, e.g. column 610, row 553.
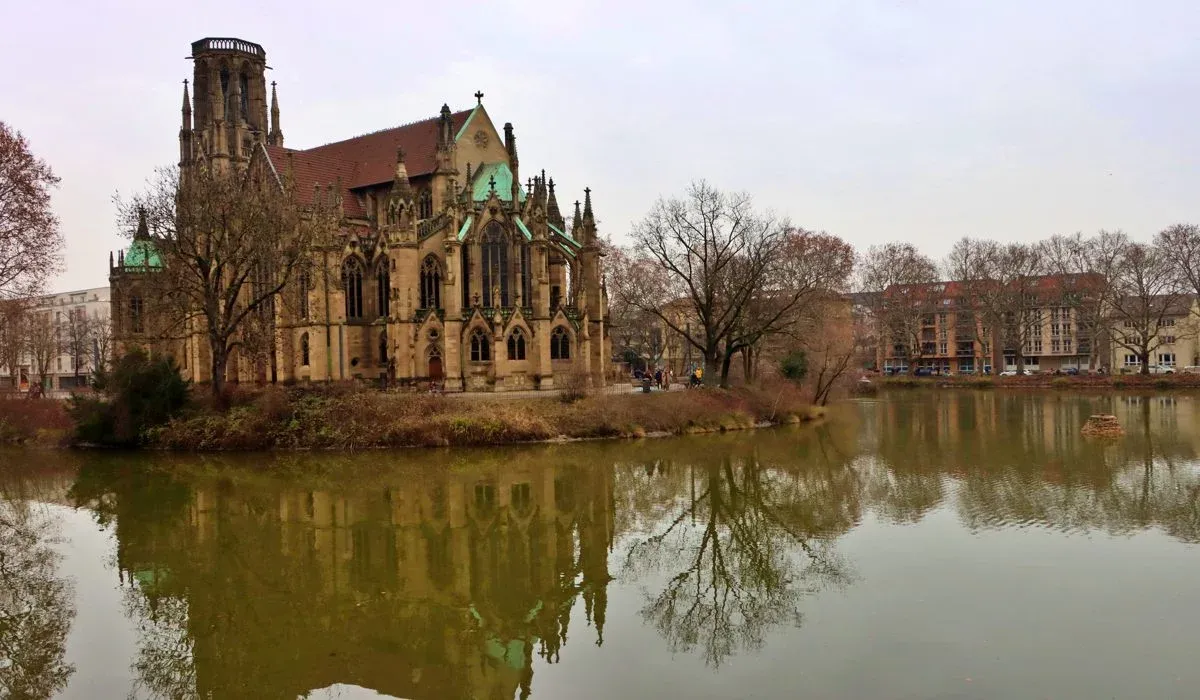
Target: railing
column 428, row 227
column 227, row 44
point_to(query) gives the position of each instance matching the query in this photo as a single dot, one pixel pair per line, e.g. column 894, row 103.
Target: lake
column 922, row 545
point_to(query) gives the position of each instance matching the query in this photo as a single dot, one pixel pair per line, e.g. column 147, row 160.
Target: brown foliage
column 342, row 417
column 30, row 242
column 25, row 420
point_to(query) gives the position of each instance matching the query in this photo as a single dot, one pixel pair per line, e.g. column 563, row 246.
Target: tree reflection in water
column 36, row 604
column 743, row 549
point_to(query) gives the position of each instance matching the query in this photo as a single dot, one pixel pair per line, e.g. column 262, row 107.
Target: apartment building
column 944, row 327
column 1174, row 325
column 67, row 336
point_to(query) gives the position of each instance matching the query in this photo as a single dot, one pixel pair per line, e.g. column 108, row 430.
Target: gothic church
column 446, row 269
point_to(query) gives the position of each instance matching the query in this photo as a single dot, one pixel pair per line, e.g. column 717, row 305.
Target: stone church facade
column 446, row 267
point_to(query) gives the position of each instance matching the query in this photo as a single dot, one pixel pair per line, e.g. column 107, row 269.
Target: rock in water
column 1102, row 426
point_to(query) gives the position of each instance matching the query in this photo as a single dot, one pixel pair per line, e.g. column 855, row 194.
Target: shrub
column 1060, row 383
column 794, row 366
column 139, row 393
column 573, row 387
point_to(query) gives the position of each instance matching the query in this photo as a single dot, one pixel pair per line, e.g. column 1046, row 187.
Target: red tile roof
column 364, row 160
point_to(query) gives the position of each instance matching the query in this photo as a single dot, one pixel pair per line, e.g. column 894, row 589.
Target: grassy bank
column 1152, row 382
column 349, row 418
column 33, row 422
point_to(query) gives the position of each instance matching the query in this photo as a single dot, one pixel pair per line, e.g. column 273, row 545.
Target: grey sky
column 914, row 120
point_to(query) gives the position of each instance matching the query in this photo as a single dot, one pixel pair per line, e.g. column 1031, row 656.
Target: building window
column 560, row 344
column 495, row 266
column 526, row 276
column 1168, row 340
column 431, row 283
column 383, row 349
column 516, row 345
column 465, row 277
column 352, row 275
column 1168, row 322
column 1055, row 345
column 1166, row 358
column 1066, row 344
column 304, row 349
column 383, row 288
column 425, row 205
column 481, row 348
column 244, row 84
column 305, row 288
column 136, row 323
column 1132, row 360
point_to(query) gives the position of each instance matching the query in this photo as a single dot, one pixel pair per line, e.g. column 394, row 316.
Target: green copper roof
column 462, row 232
column 482, row 185
column 463, row 129
column 566, row 236
column 142, row 253
column 521, row 227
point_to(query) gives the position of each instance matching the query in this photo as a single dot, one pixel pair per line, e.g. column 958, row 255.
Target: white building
column 75, row 339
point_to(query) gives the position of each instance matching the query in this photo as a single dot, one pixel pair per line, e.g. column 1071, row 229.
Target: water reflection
column 36, row 601
column 458, row 574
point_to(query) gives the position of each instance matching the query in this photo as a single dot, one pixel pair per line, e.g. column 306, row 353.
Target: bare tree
column 713, row 252
column 1181, row 244
column 1003, row 283
column 101, row 335
column 77, row 341
column 804, row 272
column 14, row 317
column 43, row 340
column 230, row 243
column 30, row 242
column 834, row 348
column 898, row 280
column 1087, row 268
column 1147, row 303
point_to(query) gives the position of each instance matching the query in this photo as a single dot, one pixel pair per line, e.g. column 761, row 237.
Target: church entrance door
column 435, row 368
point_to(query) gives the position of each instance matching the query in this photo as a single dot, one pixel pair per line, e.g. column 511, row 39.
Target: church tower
column 229, row 102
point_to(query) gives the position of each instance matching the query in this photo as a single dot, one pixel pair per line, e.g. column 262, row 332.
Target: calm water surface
column 924, row 545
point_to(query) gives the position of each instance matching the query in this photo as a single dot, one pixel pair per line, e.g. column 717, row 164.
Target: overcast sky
column 921, row 120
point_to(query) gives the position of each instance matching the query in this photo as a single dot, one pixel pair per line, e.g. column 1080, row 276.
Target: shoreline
column 288, row 419
column 1090, row 383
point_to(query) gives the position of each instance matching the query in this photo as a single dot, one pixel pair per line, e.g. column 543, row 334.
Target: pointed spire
column 577, row 221
column 187, row 108
column 276, row 136
column 510, row 143
column 553, row 215
column 143, row 230
column 587, row 204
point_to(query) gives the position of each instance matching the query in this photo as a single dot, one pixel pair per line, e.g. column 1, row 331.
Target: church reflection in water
column 433, row 584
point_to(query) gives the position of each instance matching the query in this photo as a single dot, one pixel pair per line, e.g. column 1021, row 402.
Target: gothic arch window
column 383, row 348
column 304, row 349
column 560, row 344
column 244, row 84
column 425, row 205
column 352, row 279
column 465, row 276
column 481, row 346
column 431, row 283
column 383, row 287
column 224, row 76
column 137, row 323
column 495, row 266
column 305, row 289
column 516, row 345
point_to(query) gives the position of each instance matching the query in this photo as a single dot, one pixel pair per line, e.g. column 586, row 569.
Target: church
column 447, row 270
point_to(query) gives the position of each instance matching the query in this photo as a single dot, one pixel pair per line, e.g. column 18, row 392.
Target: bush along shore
column 354, row 418
column 142, row 402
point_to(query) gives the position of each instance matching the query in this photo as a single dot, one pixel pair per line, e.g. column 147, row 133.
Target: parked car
column 1192, row 369
column 923, row 372
column 1009, row 373
column 1162, row 369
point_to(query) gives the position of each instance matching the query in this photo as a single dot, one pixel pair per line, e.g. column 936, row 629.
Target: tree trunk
column 725, row 361
column 220, row 360
column 1145, row 362
column 712, row 365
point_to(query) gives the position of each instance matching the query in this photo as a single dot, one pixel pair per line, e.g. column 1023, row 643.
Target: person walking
column 658, row 378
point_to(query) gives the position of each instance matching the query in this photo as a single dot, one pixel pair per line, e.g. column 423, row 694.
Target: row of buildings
column 943, row 329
